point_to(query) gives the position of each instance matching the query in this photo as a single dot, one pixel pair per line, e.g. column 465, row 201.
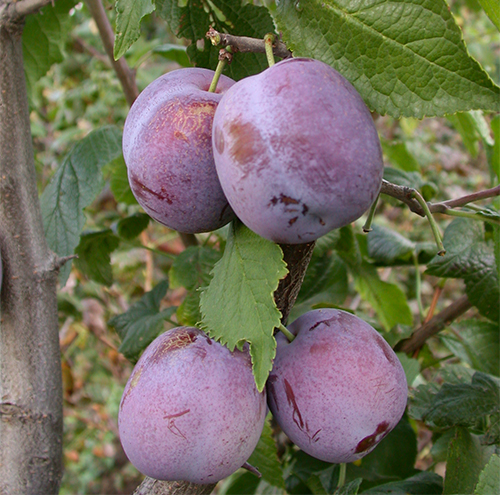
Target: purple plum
column 190, row 410
column 338, row 388
column 167, row 147
column 296, row 151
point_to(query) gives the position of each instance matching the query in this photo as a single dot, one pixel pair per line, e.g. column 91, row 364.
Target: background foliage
column 134, row 278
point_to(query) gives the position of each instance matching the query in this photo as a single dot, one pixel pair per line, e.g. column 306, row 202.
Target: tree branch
column 17, row 11
column 434, row 325
column 245, row 44
column 123, row 71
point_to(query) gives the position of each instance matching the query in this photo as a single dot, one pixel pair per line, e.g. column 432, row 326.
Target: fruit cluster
column 293, row 153
column 191, row 411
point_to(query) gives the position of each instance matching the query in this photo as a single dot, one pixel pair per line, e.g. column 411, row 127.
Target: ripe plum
column 190, row 410
column 167, row 146
column 296, row 151
column 338, row 388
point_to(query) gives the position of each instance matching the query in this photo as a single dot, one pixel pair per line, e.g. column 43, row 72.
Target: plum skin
column 296, row 151
column 190, row 410
column 167, row 147
column 338, row 388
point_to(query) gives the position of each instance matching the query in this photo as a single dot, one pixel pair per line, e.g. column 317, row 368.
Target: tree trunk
column 30, row 368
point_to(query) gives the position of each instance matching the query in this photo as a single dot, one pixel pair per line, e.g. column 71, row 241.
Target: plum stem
column 434, row 227
column 268, row 44
column 223, row 60
column 367, row 227
column 342, row 474
column 289, row 335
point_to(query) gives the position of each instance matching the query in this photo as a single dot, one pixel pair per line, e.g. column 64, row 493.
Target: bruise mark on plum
column 292, row 221
column 326, row 321
column 247, row 142
column 368, row 442
column 305, row 209
column 139, row 189
column 297, row 416
column 178, row 340
column 219, row 140
column 171, row 423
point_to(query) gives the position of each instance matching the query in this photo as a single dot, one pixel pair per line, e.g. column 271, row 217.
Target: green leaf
column 129, row 14
column 176, row 53
column 465, row 125
column 44, row 34
column 398, row 154
column 349, row 488
column 387, row 299
column 238, row 305
column 130, row 227
column 118, row 182
column 470, row 257
column 492, row 11
column 411, row 367
column 405, row 59
column 188, row 313
column 386, row 246
column 424, row 483
column 94, row 255
column 191, row 19
column 476, row 343
column 191, row 268
column 142, row 322
column 489, row 479
column 325, row 280
column 466, row 459
column 265, row 457
column 73, row 187
column 246, row 483
column 460, row 402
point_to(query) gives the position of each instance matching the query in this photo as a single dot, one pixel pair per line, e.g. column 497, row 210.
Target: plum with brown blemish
column 190, row 410
column 296, row 151
column 167, row 147
column 338, row 388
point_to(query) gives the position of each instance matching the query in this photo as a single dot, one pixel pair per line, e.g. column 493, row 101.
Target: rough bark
column 30, row 368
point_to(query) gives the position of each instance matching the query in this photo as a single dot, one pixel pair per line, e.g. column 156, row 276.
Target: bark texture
column 30, row 368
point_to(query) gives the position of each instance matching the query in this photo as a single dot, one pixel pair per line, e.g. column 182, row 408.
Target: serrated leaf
column 386, row 246
column 130, row 227
column 471, row 257
column 405, row 59
column 73, row 187
column 476, row 343
column 44, row 34
column 142, row 322
column 398, row 154
column 238, row 305
column 94, row 258
column 464, row 404
column 424, row 483
column 265, row 457
column 129, row 14
column 191, row 19
column 492, row 11
column 489, row 479
column 466, row 459
column 191, row 268
column 349, row 488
